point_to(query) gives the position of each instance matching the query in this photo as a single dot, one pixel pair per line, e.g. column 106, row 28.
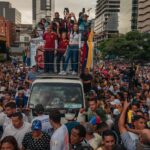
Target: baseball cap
column 115, row 102
column 95, row 120
column 36, row 125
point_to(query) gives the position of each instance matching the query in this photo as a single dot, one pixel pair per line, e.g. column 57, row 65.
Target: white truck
column 57, row 92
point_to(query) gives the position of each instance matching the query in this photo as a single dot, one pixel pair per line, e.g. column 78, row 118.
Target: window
column 57, row 95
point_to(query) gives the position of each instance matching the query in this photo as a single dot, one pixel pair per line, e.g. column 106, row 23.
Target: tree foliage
column 132, row 46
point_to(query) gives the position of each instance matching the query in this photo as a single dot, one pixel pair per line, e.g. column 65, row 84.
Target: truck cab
column 57, row 92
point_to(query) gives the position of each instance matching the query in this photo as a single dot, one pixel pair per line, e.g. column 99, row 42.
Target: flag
column 90, row 51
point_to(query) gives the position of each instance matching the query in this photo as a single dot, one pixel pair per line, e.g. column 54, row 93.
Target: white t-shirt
column 5, row 121
column 19, row 134
column 95, row 141
column 46, row 126
column 60, row 139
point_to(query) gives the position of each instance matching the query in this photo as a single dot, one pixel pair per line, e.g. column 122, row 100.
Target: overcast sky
column 25, row 7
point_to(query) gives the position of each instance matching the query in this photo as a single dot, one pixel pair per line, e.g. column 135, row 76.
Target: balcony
column 144, row 17
column 144, row 4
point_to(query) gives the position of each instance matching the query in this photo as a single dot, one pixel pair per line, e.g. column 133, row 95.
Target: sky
column 25, row 7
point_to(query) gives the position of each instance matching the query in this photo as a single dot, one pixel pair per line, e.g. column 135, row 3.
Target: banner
column 35, row 43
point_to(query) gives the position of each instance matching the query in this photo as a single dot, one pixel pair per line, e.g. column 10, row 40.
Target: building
column 106, row 21
column 7, row 32
column 9, row 13
column 42, row 9
column 144, row 16
column 128, row 16
column 23, row 34
column 10, row 33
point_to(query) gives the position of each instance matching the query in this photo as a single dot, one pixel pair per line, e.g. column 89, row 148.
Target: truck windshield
column 57, row 95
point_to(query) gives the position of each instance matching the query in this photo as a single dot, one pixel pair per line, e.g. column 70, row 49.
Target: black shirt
column 43, row 143
column 87, row 86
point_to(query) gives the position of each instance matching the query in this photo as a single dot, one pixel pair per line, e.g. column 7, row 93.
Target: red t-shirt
column 50, row 41
column 63, row 45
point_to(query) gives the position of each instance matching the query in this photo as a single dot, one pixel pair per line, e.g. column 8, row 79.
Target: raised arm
column 121, row 123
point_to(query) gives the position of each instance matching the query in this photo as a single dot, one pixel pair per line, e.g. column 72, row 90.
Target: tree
column 132, row 46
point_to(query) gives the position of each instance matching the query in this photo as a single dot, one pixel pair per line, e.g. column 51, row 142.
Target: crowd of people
column 64, row 38
column 117, row 113
column 115, row 118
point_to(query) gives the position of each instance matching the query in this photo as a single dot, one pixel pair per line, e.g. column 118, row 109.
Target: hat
column 115, row 102
column 95, row 120
column 39, row 108
column 36, row 125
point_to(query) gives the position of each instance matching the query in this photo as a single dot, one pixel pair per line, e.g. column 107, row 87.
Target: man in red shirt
column 62, row 46
column 50, row 38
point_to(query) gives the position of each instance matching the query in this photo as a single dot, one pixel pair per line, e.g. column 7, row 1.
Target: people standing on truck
column 73, row 51
column 28, row 57
column 50, row 38
column 62, row 46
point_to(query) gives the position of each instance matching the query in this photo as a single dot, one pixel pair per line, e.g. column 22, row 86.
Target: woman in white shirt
column 73, row 50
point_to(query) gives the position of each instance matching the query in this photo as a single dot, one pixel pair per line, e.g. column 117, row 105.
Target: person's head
column 33, row 68
column 134, row 107
column 139, row 113
column 10, row 108
column 78, row 133
column 86, row 71
column 43, row 20
column 9, row 143
column 55, row 118
column 75, row 27
column 39, row 109
column 64, row 35
column 50, row 28
column 7, row 96
column 139, row 122
column 20, row 93
column 17, row 120
column 115, row 87
column 93, row 104
column 36, row 128
column 89, row 128
column 138, row 94
column 103, row 126
column 108, row 139
column 146, row 116
column 57, row 15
